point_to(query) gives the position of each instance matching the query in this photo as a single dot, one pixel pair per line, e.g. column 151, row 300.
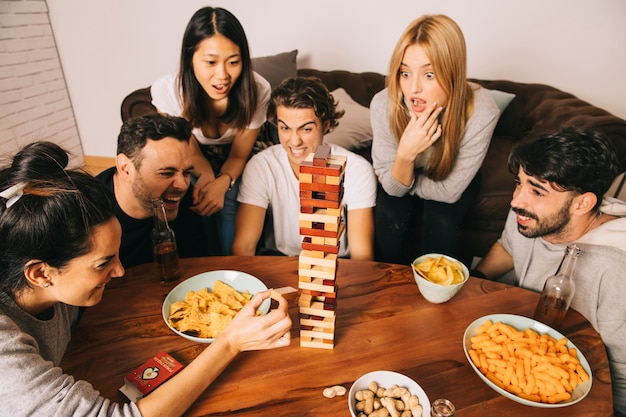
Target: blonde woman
column 431, row 131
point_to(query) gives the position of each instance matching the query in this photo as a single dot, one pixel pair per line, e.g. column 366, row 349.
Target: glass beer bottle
column 164, row 245
column 558, row 291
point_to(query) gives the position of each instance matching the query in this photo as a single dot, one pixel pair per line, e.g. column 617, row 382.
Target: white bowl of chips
column 439, row 277
column 200, row 307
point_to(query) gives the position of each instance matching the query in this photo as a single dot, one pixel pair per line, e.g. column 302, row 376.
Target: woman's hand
column 208, row 194
column 421, row 132
column 248, row 331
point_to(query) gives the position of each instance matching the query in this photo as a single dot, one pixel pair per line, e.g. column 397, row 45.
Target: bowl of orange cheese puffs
column 527, row 361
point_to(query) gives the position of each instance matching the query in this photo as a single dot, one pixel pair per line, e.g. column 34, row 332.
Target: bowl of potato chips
column 439, row 277
column 201, row 307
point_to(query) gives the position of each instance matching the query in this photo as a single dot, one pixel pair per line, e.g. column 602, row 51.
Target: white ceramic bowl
column 521, row 323
column 437, row 293
column 240, row 281
column 386, row 379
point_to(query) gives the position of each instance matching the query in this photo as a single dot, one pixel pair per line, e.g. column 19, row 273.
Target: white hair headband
column 13, row 193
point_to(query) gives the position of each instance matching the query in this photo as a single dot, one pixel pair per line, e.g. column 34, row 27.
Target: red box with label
column 145, row 378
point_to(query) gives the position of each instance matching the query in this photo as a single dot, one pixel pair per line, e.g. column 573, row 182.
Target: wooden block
column 320, row 195
column 306, row 224
column 318, row 333
column 317, row 240
column 316, row 284
column 304, row 279
column 317, row 321
column 317, row 309
column 320, row 216
column 324, row 268
column 306, row 194
column 337, row 160
column 289, row 293
column 316, row 254
column 312, row 302
column 319, row 203
column 320, row 294
column 330, row 188
column 320, row 179
column 325, row 195
column 302, row 266
column 318, row 231
column 330, row 303
column 305, row 178
column 316, row 343
column 334, row 241
column 317, row 272
column 307, row 209
column 321, row 155
column 329, row 259
column 331, row 180
column 334, row 211
column 307, row 244
column 332, row 170
column 305, row 300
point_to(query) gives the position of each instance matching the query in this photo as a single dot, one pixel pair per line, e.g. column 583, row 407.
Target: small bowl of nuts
column 378, row 393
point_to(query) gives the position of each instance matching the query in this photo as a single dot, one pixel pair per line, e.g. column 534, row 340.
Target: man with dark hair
column 304, row 111
column 559, row 198
column 154, row 161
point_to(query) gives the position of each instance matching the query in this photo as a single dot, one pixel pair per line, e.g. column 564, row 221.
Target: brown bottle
column 558, row 291
column 164, row 245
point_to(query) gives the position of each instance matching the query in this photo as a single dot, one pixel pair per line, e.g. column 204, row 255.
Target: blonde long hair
column 444, row 44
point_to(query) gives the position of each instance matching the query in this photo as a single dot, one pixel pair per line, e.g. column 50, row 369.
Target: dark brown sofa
column 535, row 108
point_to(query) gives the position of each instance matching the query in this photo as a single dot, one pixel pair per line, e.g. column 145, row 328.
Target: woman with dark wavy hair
column 225, row 101
column 59, row 243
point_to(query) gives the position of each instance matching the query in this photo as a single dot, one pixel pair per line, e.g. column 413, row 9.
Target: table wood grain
column 383, row 323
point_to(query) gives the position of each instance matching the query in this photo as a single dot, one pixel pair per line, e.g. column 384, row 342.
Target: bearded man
column 154, row 162
column 559, row 198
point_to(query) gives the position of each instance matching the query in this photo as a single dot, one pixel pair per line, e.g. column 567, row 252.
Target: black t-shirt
column 136, row 247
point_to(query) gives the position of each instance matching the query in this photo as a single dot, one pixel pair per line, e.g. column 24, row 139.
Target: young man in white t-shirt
column 303, row 111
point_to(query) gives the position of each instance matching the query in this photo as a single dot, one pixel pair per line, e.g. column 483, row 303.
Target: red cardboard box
column 145, row 378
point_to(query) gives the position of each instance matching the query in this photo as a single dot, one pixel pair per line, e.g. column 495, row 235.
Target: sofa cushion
column 354, row 130
column 502, row 98
column 361, row 86
column 276, row 68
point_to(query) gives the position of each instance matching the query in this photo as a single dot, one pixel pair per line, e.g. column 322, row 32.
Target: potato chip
column 440, row 270
column 206, row 314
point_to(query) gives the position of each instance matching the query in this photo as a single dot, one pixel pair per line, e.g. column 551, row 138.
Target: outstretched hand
column 248, row 331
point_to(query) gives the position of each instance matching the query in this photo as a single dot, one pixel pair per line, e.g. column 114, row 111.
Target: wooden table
column 383, row 323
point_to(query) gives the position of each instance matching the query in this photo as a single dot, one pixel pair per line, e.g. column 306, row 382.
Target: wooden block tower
column 321, row 226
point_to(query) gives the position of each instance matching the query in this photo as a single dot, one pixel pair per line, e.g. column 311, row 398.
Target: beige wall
column 111, row 47
column 34, row 102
